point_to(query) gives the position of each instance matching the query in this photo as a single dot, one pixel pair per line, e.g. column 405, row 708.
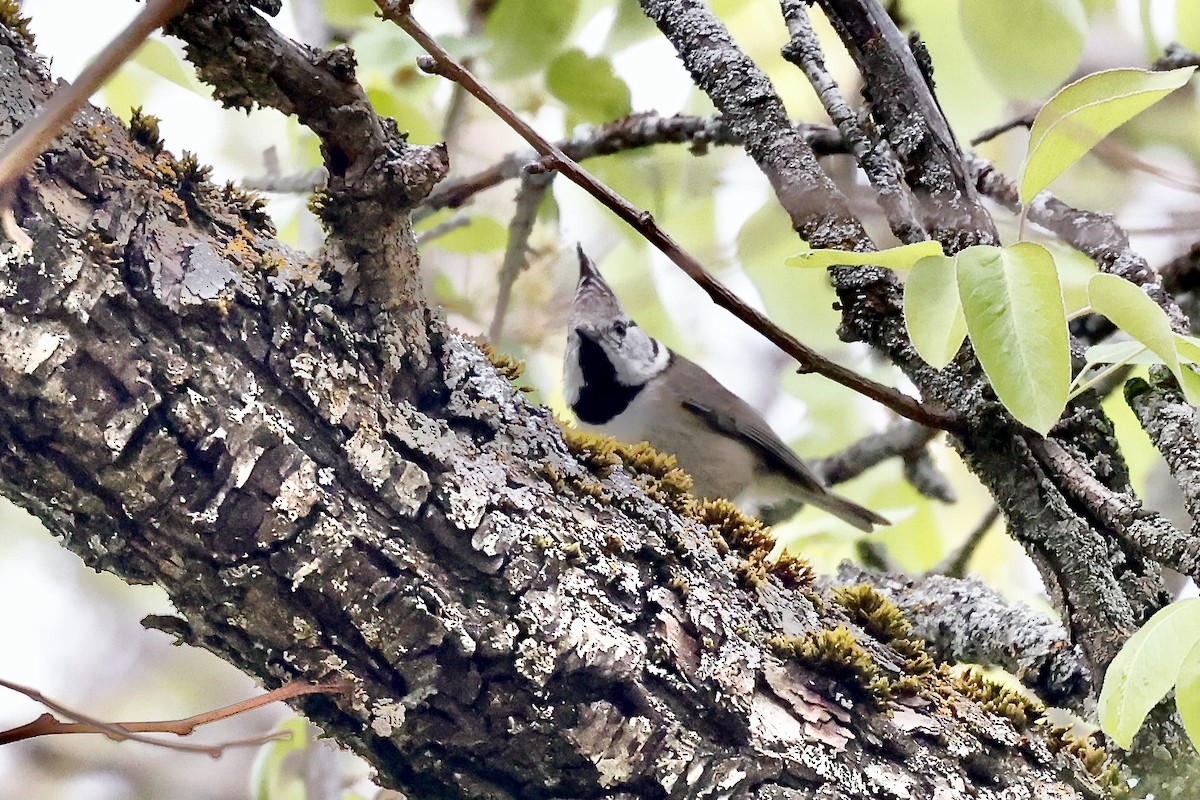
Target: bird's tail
column 862, row 518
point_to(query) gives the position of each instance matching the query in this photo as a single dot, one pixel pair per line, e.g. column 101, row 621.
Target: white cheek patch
column 637, row 368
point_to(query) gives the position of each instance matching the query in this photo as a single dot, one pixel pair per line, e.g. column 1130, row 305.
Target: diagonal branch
column 440, row 62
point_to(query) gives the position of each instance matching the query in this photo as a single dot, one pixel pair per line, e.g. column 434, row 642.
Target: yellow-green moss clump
column 751, row 539
column 835, row 654
column 1090, row 754
column 730, row 529
column 997, row 698
column 881, row 618
column 143, row 129
column 659, row 473
column 11, row 18
column 505, row 364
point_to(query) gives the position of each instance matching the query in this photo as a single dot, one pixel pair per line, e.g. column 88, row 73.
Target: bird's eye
column 620, row 326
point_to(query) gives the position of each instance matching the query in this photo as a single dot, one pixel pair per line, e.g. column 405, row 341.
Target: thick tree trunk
column 188, row 402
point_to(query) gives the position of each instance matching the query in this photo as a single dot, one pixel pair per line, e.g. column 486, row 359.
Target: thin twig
column 36, row 136
column 442, row 228
column 529, row 197
column 877, row 160
column 441, row 63
column 644, row 129
column 46, row 724
column 986, row 135
column 954, row 565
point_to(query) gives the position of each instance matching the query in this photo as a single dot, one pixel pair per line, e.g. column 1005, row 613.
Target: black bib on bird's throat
column 602, row 396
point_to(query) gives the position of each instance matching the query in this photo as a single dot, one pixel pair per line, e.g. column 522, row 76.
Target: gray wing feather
column 724, row 411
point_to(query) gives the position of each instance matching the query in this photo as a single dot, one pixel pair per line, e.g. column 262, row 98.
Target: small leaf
column 932, row 311
column 1029, row 66
column 1132, row 310
column 899, row 258
column 1014, row 309
column 588, row 86
column 1146, row 668
column 1133, row 352
column 1086, row 111
column 1188, row 348
column 526, row 34
column 1187, row 695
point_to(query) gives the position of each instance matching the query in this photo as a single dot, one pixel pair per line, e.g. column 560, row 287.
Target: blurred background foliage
column 564, row 66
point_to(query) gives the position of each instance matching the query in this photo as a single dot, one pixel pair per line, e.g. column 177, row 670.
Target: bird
column 621, row 381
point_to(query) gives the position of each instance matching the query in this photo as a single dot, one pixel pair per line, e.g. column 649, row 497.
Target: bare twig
column 877, row 160
column 46, row 724
column 954, row 565
column 529, row 197
column 1148, row 533
column 441, row 229
column 36, row 136
column 643, row 129
column 441, row 63
column 986, row 135
column 903, row 438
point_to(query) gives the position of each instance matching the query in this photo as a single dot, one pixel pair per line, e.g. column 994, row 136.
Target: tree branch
column 964, row 620
column 441, row 63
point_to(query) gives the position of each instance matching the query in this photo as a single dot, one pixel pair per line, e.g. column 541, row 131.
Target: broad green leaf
column 899, row 258
column 1075, row 270
column 1014, row 309
column 1146, row 668
column 588, row 87
column 526, row 34
column 1028, row 66
column 932, row 311
column 1187, row 694
column 1132, row 310
column 1086, row 111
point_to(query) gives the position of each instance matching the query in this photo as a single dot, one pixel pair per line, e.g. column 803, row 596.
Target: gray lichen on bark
column 189, row 402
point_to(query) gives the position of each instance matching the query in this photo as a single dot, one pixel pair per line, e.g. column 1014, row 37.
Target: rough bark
column 188, row 402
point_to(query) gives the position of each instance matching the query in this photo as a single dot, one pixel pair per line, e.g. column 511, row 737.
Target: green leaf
column 1014, row 309
column 588, row 87
column 1132, row 310
column 1028, row 66
column 1132, row 352
column 899, row 258
column 1086, row 111
column 932, row 310
column 526, row 34
column 1187, row 694
column 1146, row 668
